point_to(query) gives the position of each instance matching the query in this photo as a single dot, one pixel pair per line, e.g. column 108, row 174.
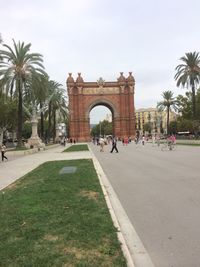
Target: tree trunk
column 20, row 113
column 1, row 136
column 49, row 122
column 42, row 123
column 54, row 125
column 167, row 120
column 193, row 102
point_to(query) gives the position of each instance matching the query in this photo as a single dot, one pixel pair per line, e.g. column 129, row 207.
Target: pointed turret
column 121, row 79
column 70, row 80
column 79, row 80
column 130, row 79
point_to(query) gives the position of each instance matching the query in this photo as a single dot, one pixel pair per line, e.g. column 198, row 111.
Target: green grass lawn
column 17, row 148
column 52, row 219
column 75, row 148
column 187, row 144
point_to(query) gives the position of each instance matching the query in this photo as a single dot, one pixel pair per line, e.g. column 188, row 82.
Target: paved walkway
column 160, row 192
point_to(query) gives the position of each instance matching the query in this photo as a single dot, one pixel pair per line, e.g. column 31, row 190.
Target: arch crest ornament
column 118, row 96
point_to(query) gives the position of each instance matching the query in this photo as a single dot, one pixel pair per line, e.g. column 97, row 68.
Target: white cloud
column 102, row 38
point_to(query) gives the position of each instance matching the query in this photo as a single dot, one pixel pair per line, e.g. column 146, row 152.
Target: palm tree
column 59, row 108
column 168, row 103
column 56, row 104
column 16, row 67
column 188, row 74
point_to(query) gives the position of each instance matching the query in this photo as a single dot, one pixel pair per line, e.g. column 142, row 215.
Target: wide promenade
column 160, row 192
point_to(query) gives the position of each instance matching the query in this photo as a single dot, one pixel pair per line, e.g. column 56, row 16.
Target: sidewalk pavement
column 18, row 166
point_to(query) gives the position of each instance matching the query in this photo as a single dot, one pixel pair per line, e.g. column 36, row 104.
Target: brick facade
column 117, row 96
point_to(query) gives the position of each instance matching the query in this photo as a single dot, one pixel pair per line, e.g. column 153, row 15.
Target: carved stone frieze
column 101, row 90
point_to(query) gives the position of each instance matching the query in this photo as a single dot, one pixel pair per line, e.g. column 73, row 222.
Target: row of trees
column 25, row 87
column 103, row 128
column 188, row 106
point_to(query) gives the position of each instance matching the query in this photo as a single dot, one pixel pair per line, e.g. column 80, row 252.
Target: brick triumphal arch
column 118, row 96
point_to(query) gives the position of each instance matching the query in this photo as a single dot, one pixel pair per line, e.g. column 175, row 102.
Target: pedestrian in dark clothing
column 114, row 145
column 3, row 151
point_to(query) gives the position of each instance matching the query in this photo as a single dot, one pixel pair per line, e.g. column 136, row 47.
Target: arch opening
column 101, row 120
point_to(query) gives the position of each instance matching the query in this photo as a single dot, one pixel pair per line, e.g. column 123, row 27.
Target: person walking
column 3, row 151
column 158, row 139
column 114, row 145
column 101, row 143
column 143, row 140
column 126, row 140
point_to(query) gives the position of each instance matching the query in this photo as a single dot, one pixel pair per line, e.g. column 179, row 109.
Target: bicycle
column 167, row 145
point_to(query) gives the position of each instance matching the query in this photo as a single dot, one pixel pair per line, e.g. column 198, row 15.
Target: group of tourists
column 104, row 141
column 139, row 139
column 67, row 140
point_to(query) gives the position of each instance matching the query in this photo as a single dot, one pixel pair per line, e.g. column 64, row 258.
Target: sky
column 101, row 38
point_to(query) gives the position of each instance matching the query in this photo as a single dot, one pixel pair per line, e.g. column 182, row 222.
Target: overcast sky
column 101, row 38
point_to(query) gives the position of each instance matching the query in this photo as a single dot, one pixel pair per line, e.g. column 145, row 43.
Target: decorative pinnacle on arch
column 79, row 79
column 100, row 82
column 70, row 79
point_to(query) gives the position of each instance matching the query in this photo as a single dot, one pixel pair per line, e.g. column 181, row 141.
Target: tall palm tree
column 168, row 103
column 57, row 104
column 16, row 67
column 188, row 74
column 59, row 108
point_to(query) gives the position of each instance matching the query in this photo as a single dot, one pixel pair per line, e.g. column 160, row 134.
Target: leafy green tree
column 147, row 127
column 185, row 109
column 184, row 104
column 173, row 127
column 103, row 128
column 27, row 130
column 8, row 117
column 17, row 65
column 168, row 103
column 188, row 74
column 107, row 127
column 184, row 125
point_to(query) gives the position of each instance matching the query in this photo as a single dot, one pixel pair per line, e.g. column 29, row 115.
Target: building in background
column 152, row 121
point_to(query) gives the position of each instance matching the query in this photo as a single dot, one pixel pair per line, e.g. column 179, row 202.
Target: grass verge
column 76, row 148
column 49, row 219
column 187, row 144
column 18, row 148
